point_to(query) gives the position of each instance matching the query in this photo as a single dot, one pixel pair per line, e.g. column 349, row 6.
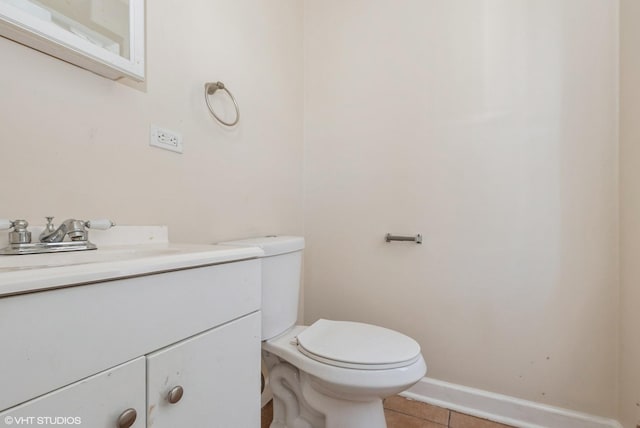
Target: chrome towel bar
column 417, row 239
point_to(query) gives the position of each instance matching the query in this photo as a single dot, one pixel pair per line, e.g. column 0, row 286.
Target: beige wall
column 490, row 127
column 76, row 145
column 629, row 409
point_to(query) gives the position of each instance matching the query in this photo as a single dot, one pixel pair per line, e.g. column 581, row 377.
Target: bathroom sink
column 41, row 261
column 33, row 272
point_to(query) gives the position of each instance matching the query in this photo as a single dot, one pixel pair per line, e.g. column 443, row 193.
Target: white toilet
column 331, row 374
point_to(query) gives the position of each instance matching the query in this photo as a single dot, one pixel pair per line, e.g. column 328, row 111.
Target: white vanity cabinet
column 93, row 351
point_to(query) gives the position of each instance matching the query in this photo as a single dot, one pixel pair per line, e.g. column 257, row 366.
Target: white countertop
column 27, row 273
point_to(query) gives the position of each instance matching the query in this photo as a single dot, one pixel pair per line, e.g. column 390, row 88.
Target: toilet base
column 343, row 413
column 298, row 403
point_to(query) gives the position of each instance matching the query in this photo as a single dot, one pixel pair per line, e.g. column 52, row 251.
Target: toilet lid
column 357, row 345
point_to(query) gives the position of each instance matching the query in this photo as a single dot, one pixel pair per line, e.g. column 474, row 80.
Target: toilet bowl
column 354, row 378
column 331, row 374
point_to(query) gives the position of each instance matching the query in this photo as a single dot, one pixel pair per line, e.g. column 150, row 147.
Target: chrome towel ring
column 209, row 89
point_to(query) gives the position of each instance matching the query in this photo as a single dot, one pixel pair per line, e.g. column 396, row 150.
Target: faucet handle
column 5, row 223
column 100, row 224
column 20, row 234
column 49, row 227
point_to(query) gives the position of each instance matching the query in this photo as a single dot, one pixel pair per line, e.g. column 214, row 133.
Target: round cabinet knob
column 127, row 418
column 175, row 394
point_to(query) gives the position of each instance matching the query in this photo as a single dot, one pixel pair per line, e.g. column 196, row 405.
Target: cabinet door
column 218, row 372
column 97, row 401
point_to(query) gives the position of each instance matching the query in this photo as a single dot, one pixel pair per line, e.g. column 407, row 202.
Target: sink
column 42, row 261
column 33, row 272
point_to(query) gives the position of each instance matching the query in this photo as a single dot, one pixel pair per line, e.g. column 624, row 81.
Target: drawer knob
column 175, row 394
column 127, row 418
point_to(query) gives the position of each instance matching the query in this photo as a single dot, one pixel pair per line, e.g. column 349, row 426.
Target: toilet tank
column 281, row 270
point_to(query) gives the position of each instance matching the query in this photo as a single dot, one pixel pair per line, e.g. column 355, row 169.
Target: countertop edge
column 36, row 280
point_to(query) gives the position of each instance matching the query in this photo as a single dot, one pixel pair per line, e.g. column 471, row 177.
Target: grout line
column 415, row 417
column 420, row 417
column 449, row 419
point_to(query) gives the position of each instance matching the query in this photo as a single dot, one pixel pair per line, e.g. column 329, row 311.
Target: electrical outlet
column 165, row 139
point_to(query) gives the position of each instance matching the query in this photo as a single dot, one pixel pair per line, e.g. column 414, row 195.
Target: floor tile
column 267, row 415
column 417, row 409
column 400, row 420
column 459, row 420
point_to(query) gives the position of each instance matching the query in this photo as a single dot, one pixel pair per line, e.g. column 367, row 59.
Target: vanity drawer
column 54, row 338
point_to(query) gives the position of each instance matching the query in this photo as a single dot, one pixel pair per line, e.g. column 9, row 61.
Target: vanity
column 156, row 335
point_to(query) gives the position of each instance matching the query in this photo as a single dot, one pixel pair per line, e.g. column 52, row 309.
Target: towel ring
column 209, row 89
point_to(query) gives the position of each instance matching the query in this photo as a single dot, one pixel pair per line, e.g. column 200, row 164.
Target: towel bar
column 417, row 239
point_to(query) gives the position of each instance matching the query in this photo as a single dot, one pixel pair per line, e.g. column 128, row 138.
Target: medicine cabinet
column 102, row 36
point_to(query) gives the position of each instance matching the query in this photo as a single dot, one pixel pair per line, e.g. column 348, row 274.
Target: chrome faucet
column 52, row 239
column 75, row 229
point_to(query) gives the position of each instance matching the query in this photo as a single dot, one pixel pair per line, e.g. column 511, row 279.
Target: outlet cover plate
column 165, row 139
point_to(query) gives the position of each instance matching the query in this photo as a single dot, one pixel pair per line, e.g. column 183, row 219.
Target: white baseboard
column 502, row 408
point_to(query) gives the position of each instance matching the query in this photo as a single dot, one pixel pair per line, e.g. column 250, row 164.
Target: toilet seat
column 356, row 380
column 357, row 345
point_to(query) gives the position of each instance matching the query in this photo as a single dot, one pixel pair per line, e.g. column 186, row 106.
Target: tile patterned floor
column 267, row 415
column 403, row 413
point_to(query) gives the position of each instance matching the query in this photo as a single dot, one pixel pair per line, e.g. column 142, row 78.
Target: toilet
column 331, row 374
